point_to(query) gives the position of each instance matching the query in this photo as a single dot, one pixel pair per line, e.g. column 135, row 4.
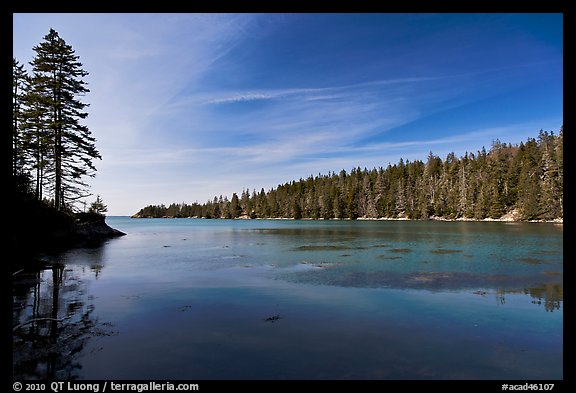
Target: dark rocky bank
column 38, row 229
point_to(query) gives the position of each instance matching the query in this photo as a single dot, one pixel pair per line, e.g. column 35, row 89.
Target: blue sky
column 188, row 106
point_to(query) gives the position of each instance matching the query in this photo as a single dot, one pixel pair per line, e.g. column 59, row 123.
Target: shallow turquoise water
column 259, row 299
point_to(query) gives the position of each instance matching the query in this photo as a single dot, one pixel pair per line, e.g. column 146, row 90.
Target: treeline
column 526, row 179
column 52, row 151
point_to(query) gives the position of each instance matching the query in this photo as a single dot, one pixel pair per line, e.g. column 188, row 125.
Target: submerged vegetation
column 517, row 182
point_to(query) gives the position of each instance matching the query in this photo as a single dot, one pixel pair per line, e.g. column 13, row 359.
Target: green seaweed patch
column 531, row 261
column 380, row 246
column 445, row 251
column 389, row 257
column 546, row 252
column 400, row 250
column 322, row 248
column 328, row 264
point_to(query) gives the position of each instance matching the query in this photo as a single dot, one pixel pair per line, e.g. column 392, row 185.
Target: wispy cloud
column 139, row 70
column 310, row 93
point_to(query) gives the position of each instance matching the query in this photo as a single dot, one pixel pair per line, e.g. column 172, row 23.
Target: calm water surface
column 258, row 299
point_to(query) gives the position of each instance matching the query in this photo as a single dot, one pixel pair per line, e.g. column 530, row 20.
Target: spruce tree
column 36, row 133
column 98, row 206
column 58, row 74
column 235, row 209
column 19, row 79
column 560, row 165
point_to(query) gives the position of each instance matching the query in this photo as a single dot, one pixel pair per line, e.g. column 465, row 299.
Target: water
column 257, row 299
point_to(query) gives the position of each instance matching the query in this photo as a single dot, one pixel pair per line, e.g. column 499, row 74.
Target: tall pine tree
column 58, row 74
column 19, row 81
column 35, row 133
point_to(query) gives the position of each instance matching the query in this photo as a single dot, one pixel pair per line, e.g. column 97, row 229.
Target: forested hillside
column 526, row 179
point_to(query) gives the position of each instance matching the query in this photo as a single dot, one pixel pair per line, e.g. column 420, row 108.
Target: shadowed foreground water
column 234, row 299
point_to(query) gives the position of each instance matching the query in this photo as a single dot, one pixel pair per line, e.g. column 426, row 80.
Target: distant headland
column 522, row 182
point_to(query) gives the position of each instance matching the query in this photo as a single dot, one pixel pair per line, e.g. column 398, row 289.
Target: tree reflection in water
column 52, row 321
column 549, row 294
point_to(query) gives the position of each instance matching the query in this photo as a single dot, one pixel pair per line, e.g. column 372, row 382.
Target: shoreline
column 558, row 221
column 50, row 231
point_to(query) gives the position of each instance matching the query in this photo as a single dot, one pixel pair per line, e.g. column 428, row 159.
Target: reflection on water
column 197, row 299
column 548, row 295
column 52, row 321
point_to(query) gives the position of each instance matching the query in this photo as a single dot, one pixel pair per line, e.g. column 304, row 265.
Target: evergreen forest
column 523, row 181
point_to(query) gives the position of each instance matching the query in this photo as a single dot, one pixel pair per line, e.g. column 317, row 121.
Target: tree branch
column 38, row 320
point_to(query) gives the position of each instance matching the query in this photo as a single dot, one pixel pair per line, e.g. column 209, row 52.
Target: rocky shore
column 51, row 231
column 88, row 229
